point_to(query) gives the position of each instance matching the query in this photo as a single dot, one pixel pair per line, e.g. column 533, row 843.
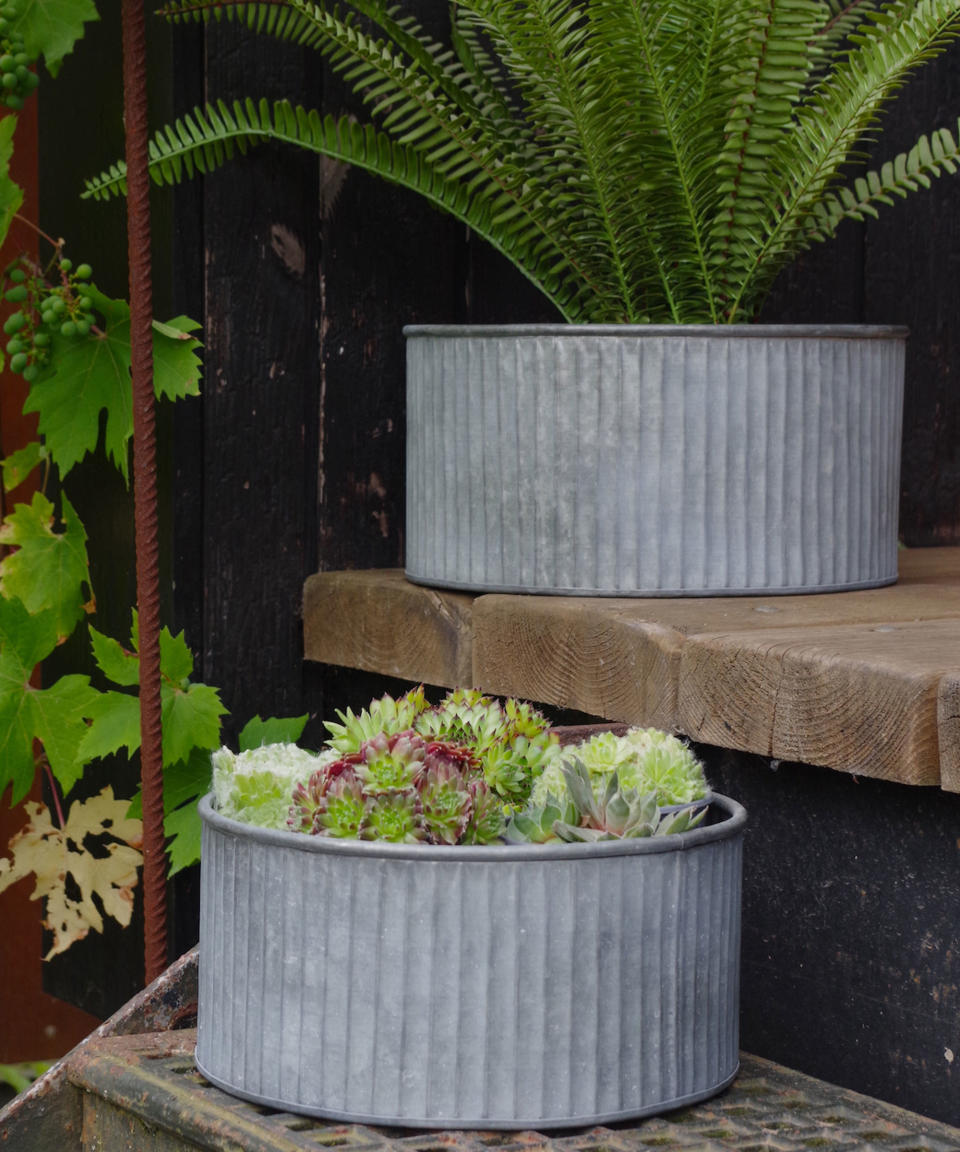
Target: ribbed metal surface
column 653, row 461
column 500, row 987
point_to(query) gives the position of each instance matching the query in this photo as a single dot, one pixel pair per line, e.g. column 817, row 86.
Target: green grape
column 41, row 339
column 7, row 62
column 68, row 328
column 14, row 322
column 30, row 373
column 17, row 294
column 48, row 316
column 17, row 275
column 14, row 346
column 9, row 81
column 65, row 264
column 19, row 362
column 83, row 272
column 58, row 305
column 21, row 58
column 83, row 327
column 85, row 303
column 14, row 103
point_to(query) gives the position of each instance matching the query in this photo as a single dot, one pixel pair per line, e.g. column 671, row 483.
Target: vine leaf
column 98, row 847
column 93, row 377
column 48, row 569
column 51, row 27
column 54, row 715
column 18, row 465
column 275, row 730
column 11, row 195
column 190, row 717
column 114, row 661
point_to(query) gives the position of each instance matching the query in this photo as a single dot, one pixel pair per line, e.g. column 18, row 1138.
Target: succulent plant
column 402, row 788
column 331, row 803
column 620, row 813
column 386, row 715
column 487, row 818
column 512, row 740
column 254, row 786
column 646, row 759
column 536, row 823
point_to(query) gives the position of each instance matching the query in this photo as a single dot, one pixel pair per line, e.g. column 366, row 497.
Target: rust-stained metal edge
column 47, row 1114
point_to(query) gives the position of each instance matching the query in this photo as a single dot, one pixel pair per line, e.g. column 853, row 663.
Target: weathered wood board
column 864, row 682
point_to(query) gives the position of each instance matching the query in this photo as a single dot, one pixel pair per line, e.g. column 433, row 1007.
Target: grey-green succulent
column 619, row 813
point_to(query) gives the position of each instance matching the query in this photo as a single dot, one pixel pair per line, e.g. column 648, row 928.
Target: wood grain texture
column 575, row 653
column 377, row 621
column 859, row 698
column 948, row 728
column 864, row 682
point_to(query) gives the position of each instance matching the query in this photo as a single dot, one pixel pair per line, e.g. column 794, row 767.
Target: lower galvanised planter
column 653, row 461
column 496, row 987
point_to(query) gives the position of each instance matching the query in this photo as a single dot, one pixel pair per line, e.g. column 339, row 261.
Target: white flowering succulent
column 256, row 786
column 645, row 759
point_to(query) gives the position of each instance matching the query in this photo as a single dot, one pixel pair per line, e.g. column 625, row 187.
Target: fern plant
column 639, row 160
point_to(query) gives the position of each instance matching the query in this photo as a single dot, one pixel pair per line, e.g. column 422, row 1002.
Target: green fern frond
column 638, row 160
column 208, row 138
column 271, row 19
column 929, row 157
column 834, row 122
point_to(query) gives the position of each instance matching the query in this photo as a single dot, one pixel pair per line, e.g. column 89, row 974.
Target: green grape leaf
column 54, row 715
column 115, row 724
column 11, row 194
column 59, row 723
column 176, row 659
column 50, row 28
column 184, row 830
column 18, row 465
column 47, row 569
column 187, row 780
column 275, row 730
column 191, row 719
column 92, row 376
column 113, row 660
column 176, row 365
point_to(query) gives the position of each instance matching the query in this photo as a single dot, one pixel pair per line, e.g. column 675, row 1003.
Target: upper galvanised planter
column 653, row 461
column 505, row 986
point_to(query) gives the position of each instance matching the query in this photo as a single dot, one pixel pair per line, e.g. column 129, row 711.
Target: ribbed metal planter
column 653, row 461
column 499, row 987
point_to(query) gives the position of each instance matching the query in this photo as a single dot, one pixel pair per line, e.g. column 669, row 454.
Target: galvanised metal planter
column 506, row 986
column 653, row 461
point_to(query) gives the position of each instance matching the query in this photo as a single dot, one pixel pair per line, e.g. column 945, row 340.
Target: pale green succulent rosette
column 255, row 786
column 645, row 759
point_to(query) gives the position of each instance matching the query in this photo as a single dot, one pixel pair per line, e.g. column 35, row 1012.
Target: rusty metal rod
column 145, row 484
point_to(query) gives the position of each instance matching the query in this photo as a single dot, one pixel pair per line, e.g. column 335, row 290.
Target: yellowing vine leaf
column 98, row 847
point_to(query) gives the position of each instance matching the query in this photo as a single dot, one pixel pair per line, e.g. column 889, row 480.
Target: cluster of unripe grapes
column 17, row 79
column 45, row 308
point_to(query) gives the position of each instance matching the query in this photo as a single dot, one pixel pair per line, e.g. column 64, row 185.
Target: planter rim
column 714, row 331
column 736, row 818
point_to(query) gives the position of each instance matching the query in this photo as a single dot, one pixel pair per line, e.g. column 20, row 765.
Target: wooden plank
column 577, row 653
column 857, row 681
column 948, row 727
column 379, row 622
column 861, row 698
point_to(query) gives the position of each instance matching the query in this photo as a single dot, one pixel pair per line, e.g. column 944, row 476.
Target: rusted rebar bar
column 145, row 483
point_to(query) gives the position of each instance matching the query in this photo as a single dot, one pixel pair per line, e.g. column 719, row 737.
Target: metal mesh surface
column 768, row 1108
